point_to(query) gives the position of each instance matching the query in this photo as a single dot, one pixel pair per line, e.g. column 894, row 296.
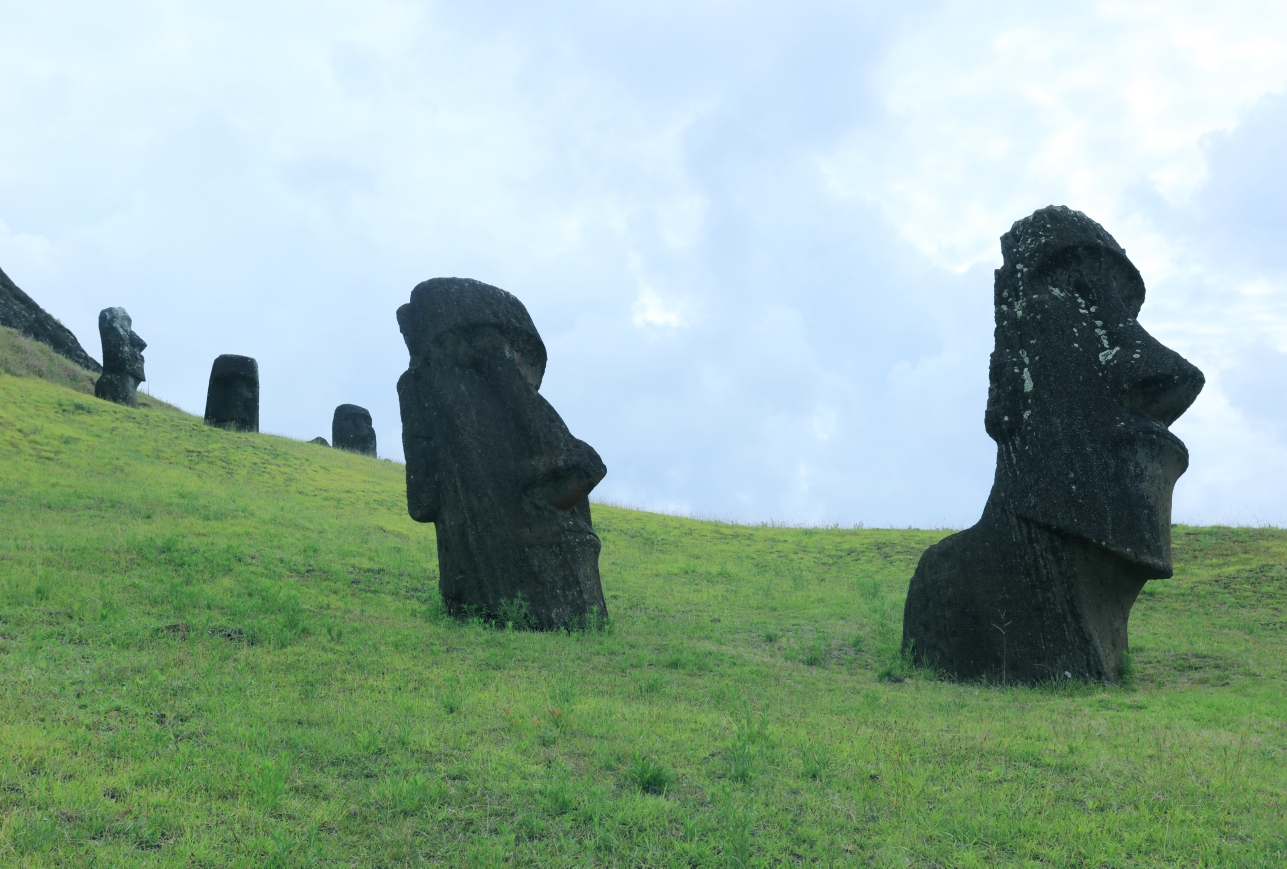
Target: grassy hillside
column 22, row 357
column 224, row 649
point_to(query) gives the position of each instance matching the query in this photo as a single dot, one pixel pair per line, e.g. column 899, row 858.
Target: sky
column 757, row 238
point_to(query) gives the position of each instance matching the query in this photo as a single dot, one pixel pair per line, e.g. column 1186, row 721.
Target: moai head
column 122, row 358
column 232, row 401
column 1080, row 397
column 122, row 347
column 351, row 430
column 491, row 463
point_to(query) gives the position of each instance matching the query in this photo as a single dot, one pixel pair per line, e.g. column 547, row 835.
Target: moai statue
column 1080, row 402
column 351, row 430
column 320, row 441
column 122, row 358
column 232, row 401
column 492, row 464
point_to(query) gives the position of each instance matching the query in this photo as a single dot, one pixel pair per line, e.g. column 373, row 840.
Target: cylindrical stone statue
column 232, row 401
column 492, row 465
column 122, row 358
column 351, row 430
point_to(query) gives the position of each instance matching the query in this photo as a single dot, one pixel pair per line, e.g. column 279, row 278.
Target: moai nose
column 1162, row 383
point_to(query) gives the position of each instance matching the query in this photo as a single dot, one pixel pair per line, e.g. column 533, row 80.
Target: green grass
column 223, row 649
column 22, row 357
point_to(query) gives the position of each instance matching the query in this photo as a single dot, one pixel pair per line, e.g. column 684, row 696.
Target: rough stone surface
column 232, row 401
column 1080, row 401
column 18, row 311
column 492, row 464
column 351, row 430
column 122, row 358
column 320, row 441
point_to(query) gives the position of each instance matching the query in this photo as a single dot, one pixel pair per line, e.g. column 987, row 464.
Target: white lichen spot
column 1027, row 413
column 1108, row 354
column 1027, row 381
column 1093, row 309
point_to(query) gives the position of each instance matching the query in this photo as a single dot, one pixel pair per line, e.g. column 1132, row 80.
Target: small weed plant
column 647, row 775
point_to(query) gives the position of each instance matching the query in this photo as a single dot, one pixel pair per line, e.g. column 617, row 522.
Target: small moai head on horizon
column 1080, row 396
column 122, row 347
column 351, row 430
column 122, row 358
column 491, row 463
column 232, row 400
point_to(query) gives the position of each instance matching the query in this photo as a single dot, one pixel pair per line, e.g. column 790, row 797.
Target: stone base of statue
column 1011, row 601
column 117, row 387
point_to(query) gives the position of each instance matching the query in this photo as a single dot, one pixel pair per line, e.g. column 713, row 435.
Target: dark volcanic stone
column 1080, row 399
column 351, row 430
column 232, row 401
column 321, row 442
column 122, row 358
column 492, row 464
column 18, row 311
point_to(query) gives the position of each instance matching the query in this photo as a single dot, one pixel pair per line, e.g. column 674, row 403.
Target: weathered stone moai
column 351, row 430
column 320, row 441
column 122, row 358
column 1080, row 401
column 232, row 401
column 492, row 464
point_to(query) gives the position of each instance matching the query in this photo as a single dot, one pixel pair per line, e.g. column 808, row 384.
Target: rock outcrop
column 19, row 311
column 492, row 464
column 232, row 400
column 1080, row 401
column 351, row 430
column 122, row 358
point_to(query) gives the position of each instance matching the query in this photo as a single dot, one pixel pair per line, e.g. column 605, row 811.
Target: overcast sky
column 758, row 238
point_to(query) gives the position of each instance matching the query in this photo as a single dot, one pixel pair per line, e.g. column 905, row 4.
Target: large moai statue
column 351, row 430
column 122, row 358
column 232, row 401
column 1080, row 401
column 492, row 464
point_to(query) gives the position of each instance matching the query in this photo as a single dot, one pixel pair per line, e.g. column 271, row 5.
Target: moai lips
column 1080, row 401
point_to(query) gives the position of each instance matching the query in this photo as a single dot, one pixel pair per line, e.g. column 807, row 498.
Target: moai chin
column 492, row 464
column 232, row 400
column 122, row 358
column 351, row 430
column 1080, row 401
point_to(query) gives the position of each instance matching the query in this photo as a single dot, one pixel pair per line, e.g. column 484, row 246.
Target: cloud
column 995, row 110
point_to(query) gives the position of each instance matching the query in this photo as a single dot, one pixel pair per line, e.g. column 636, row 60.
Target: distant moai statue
column 492, row 465
column 122, row 358
column 1080, row 402
column 320, row 441
column 351, row 430
column 232, row 401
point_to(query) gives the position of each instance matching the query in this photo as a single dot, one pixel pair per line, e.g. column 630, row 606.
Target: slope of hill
column 21, row 356
column 222, row 649
column 20, row 312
